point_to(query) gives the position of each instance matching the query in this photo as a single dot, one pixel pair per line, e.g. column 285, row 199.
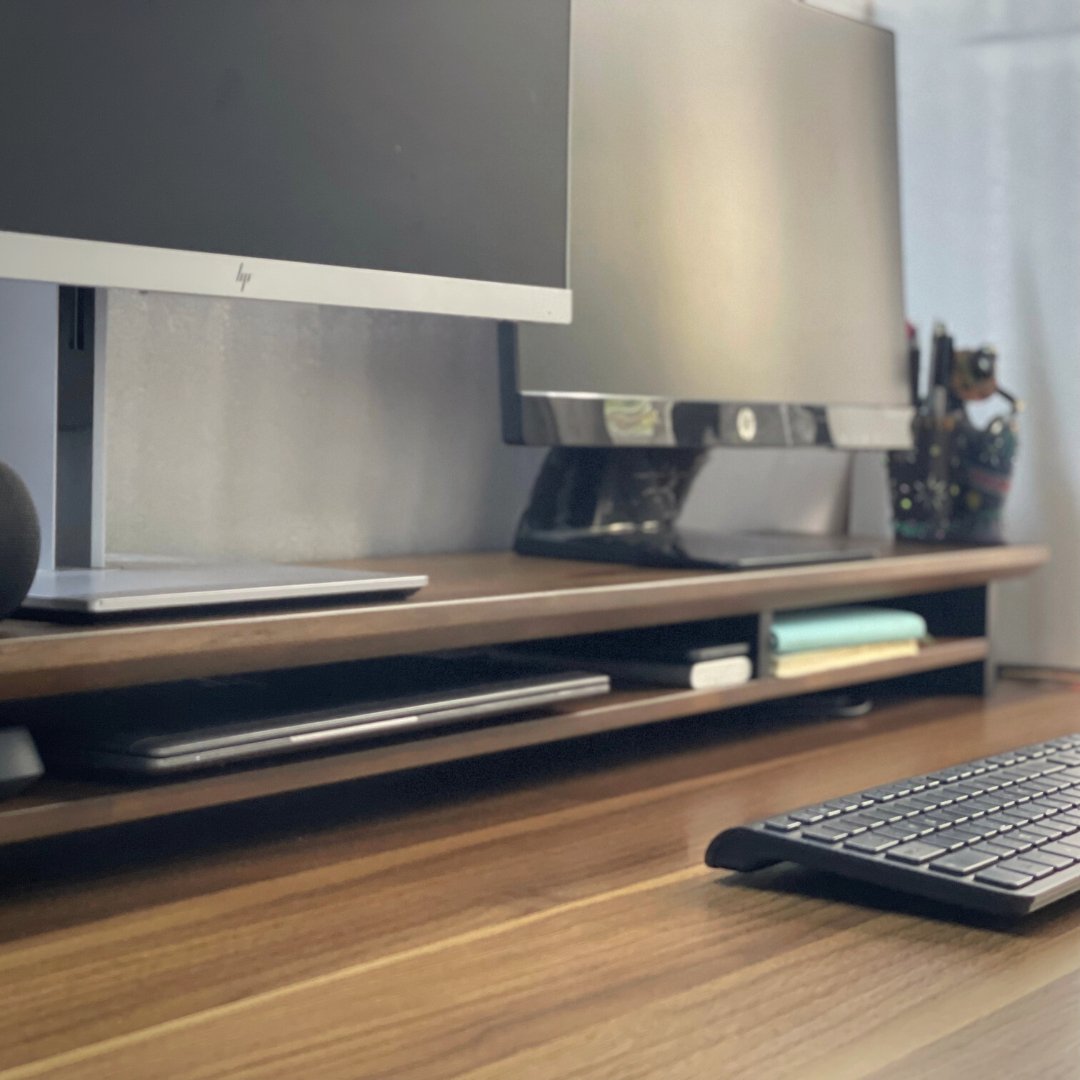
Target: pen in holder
column 952, row 484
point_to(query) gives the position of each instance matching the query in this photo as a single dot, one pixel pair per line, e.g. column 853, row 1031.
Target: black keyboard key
column 1056, row 802
column 1005, row 879
column 966, row 787
column 781, row 824
column 925, row 826
column 944, row 776
column 1027, row 769
column 945, row 795
column 1035, row 768
column 1009, row 845
column 925, row 800
column 995, row 847
column 1049, row 784
column 1026, row 791
column 900, row 831
column 992, row 824
column 825, row 833
column 856, row 822
column 871, row 842
column 1060, row 847
column 1033, row 838
column 971, row 834
column 844, row 805
column 1043, row 828
column 1050, row 766
column 1022, row 865
column 892, row 791
column 949, row 840
column 1041, row 855
column 1016, row 842
column 915, row 852
column 963, row 862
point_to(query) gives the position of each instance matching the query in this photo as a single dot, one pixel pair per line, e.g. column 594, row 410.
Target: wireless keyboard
column 1001, row 834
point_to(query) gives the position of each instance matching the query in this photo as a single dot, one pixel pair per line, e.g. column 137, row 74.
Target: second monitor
column 736, row 266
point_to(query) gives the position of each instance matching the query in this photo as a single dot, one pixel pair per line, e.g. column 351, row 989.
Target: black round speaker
column 20, row 541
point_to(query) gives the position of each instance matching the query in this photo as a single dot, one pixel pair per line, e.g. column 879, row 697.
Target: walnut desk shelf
column 480, row 600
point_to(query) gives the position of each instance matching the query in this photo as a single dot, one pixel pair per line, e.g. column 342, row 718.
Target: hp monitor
column 395, row 154
column 736, row 260
column 403, row 154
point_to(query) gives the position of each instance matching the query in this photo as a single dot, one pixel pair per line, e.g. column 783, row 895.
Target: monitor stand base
column 687, row 548
column 621, row 504
column 146, row 586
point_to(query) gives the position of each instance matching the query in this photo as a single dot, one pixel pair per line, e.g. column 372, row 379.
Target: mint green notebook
column 826, row 628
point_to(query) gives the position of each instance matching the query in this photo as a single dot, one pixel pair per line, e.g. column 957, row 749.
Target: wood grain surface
column 474, row 599
column 544, row 914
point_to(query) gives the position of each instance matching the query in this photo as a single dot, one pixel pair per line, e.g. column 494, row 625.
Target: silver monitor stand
column 128, row 589
column 52, row 380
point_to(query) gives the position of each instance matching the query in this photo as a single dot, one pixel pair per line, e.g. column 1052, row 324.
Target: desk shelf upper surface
column 473, row 600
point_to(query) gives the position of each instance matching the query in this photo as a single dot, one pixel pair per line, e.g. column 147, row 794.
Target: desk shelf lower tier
column 55, row 807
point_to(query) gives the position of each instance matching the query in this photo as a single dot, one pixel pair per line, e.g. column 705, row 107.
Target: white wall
column 990, row 150
column 289, row 431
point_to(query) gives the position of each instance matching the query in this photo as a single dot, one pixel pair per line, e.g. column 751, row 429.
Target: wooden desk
column 539, row 914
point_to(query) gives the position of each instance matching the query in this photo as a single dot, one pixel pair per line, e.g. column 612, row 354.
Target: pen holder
column 952, row 484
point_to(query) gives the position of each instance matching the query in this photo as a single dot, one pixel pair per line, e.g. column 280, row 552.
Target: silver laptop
column 176, row 727
column 119, row 590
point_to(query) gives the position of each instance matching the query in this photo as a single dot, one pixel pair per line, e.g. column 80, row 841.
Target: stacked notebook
column 805, row 642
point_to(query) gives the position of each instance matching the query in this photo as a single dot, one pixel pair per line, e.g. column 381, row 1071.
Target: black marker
column 938, row 371
column 914, row 361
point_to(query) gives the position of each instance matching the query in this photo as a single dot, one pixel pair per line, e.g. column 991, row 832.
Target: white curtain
column 990, row 151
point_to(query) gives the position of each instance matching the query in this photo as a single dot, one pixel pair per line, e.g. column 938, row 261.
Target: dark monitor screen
column 420, row 137
column 735, row 235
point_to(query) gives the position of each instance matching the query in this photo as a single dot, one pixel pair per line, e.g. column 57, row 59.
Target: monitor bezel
column 551, row 418
column 106, row 264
